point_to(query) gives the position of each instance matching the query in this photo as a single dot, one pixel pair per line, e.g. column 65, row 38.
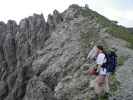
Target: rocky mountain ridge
column 42, row 60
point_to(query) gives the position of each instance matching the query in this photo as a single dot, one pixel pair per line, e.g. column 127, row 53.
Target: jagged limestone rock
column 9, row 48
column 38, row 90
column 3, row 89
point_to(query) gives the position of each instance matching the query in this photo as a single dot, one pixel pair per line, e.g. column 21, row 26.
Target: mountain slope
column 42, row 60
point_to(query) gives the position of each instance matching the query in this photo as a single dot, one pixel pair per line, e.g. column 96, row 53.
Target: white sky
column 119, row 10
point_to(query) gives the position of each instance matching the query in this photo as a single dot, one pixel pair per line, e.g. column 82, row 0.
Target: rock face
column 42, row 60
column 38, row 90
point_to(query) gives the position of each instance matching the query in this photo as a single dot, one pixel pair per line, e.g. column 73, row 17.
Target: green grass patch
column 121, row 60
column 114, row 84
column 105, row 97
column 111, row 26
column 121, row 32
column 130, row 46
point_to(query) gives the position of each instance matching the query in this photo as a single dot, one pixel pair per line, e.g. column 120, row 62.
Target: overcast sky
column 119, row 10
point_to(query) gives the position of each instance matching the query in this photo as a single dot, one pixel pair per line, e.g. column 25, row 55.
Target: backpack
column 111, row 62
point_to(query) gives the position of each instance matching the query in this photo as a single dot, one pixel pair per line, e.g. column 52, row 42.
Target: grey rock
column 57, row 17
column 50, row 22
column 18, row 81
column 11, row 80
column 3, row 70
column 72, row 12
column 33, row 32
column 2, row 38
column 12, row 27
column 54, row 20
column 9, row 48
column 3, row 89
column 38, row 90
column 35, row 24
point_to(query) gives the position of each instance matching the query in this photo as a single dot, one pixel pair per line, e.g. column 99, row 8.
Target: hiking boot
column 95, row 97
column 107, row 94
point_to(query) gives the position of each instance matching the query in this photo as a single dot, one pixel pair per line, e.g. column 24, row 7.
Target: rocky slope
column 45, row 60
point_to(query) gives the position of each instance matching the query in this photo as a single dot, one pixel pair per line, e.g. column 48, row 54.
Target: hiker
column 97, row 53
column 106, row 63
column 100, row 82
column 92, row 70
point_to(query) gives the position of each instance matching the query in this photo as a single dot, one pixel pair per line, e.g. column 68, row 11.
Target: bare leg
column 107, row 84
